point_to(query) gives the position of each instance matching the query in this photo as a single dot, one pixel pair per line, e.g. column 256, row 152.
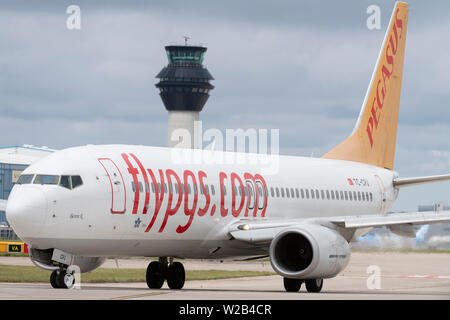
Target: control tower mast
column 184, row 89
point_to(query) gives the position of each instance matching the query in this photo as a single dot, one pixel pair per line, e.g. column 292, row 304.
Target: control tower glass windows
column 185, row 55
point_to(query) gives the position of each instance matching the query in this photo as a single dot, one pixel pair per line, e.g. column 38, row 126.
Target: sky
column 302, row 67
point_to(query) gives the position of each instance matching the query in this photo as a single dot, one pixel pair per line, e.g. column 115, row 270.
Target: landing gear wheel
column 292, row 285
column 314, row 285
column 175, row 276
column 155, row 275
column 53, row 277
column 61, row 279
column 68, row 280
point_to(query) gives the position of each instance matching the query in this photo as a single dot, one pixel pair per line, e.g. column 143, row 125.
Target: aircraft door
column 261, row 194
column 251, row 194
column 115, row 178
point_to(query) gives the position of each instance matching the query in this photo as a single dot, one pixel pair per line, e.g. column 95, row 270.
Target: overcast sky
column 300, row 66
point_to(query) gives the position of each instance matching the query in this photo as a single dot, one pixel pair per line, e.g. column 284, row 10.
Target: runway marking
column 417, row 276
column 426, row 276
column 139, row 295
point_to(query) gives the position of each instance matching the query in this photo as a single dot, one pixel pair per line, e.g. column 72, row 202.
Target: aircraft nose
column 26, row 211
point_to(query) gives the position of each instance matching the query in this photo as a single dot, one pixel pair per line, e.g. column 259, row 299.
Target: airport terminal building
column 13, row 160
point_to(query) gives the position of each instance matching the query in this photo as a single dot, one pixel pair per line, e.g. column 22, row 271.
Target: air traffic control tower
column 184, row 89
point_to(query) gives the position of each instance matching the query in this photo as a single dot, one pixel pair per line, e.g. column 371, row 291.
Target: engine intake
column 309, row 252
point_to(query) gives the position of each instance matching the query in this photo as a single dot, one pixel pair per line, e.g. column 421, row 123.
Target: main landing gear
column 159, row 271
column 294, row 285
column 61, row 279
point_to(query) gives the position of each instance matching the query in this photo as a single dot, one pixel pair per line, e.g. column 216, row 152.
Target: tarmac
column 372, row 276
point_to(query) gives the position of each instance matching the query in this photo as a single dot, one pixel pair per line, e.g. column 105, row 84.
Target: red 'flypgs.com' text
column 252, row 187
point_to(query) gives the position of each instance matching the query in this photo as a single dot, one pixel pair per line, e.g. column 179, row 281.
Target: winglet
column 373, row 138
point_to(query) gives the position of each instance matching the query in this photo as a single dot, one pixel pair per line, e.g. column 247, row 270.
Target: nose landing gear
column 61, row 279
column 164, row 269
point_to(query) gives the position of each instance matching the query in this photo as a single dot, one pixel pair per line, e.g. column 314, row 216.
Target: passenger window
column 165, row 187
column 359, row 196
column 287, row 193
column 312, row 194
column 307, row 193
column 317, row 194
column 189, row 188
column 354, row 196
column 272, row 193
column 225, row 190
column 282, row 192
column 133, row 186
column 278, row 192
column 302, row 193
column 350, row 195
column 292, row 193
column 296, row 193
column 153, row 187
column 64, row 182
column 328, row 194
column 207, row 189
column 342, row 195
column 147, row 189
column 140, row 187
column 323, row 194
column 213, row 191
column 332, row 195
column 337, row 195
column 363, row 196
column 346, row 195
column 170, row 188
column 371, row 198
column 195, row 189
column 76, row 181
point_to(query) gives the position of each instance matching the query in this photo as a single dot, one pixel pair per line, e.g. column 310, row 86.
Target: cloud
column 299, row 66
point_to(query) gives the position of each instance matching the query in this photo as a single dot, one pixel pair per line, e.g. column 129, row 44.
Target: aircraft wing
column 3, row 204
column 258, row 232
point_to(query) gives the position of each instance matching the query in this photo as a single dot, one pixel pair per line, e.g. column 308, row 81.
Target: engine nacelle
column 43, row 259
column 309, row 252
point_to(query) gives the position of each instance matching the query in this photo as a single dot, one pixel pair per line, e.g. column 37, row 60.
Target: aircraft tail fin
column 374, row 136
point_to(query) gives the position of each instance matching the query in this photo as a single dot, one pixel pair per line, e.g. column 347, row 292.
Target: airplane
column 80, row 205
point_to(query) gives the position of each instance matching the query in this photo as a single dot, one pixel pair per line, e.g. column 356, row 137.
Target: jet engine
column 43, row 259
column 309, row 252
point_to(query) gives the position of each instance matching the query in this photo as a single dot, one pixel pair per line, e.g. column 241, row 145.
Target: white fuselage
column 115, row 211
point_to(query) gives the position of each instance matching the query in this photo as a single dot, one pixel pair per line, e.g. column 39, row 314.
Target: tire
column 292, row 285
column 176, row 276
column 60, row 279
column 155, row 275
column 53, row 277
column 314, row 285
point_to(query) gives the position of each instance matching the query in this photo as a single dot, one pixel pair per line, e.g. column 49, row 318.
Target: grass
column 103, row 275
column 13, row 254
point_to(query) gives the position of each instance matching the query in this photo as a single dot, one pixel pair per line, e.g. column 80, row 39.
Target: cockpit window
column 46, row 179
column 25, row 179
column 76, row 181
column 65, row 182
